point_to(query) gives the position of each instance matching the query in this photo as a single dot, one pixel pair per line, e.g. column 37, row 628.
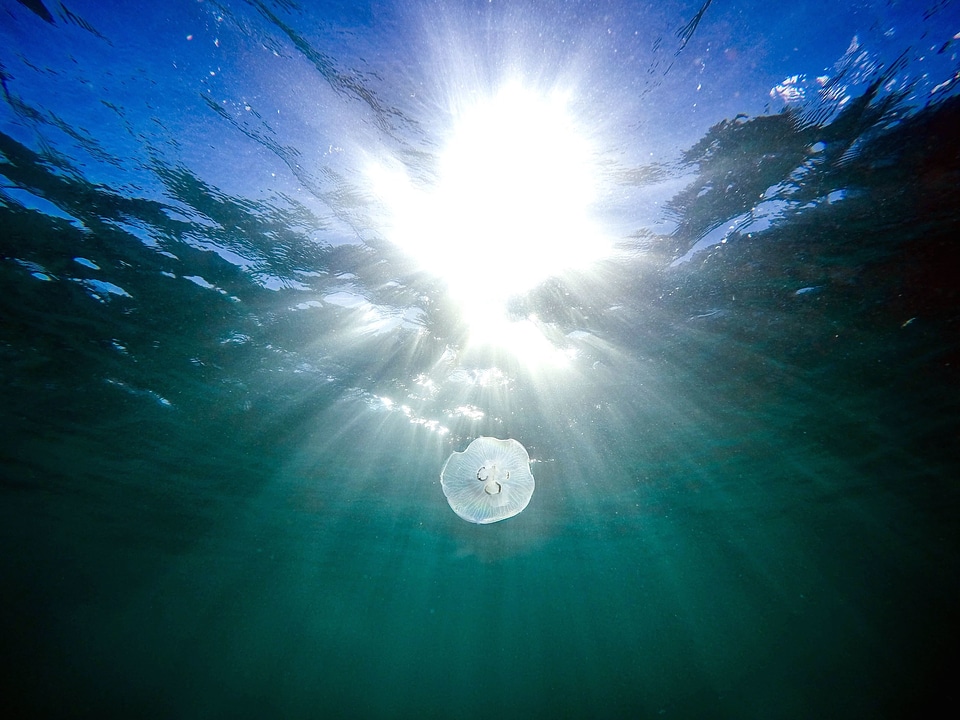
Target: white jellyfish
column 489, row 481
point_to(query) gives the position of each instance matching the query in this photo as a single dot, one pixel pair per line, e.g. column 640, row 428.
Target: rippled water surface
column 266, row 265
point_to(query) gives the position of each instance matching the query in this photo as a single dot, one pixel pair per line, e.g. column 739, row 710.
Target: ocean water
column 230, row 376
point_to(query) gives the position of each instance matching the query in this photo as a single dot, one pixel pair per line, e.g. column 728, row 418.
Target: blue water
column 229, row 379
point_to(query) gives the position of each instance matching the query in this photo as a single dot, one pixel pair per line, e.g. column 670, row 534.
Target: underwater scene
column 479, row 359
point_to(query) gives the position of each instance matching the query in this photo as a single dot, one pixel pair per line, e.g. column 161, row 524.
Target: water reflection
column 367, row 314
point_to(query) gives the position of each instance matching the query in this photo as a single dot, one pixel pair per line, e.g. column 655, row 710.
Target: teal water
column 225, row 400
column 773, row 538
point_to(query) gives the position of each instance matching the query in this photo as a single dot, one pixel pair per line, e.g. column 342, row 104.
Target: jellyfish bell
column 489, row 481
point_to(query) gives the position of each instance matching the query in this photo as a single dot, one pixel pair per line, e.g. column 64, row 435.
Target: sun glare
column 509, row 209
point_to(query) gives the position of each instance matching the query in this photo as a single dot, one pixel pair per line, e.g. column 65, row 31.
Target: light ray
column 510, row 208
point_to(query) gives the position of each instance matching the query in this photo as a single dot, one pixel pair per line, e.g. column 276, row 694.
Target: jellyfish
column 489, row 481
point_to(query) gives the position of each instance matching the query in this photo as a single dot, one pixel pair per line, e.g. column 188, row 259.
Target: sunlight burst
column 509, row 209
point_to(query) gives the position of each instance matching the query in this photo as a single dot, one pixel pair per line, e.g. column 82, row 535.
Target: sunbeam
column 510, row 208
